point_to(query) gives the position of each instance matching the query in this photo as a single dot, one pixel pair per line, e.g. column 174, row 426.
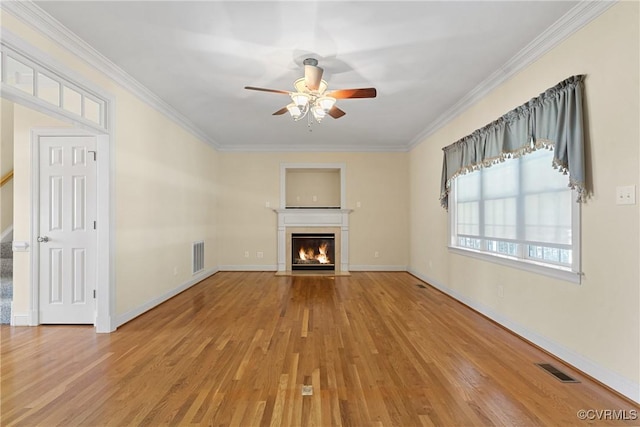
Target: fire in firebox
column 312, row 251
column 309, row 254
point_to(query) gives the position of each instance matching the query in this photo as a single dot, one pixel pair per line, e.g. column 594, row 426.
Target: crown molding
column 32, row 15
column 314, row 149
column 576, row 18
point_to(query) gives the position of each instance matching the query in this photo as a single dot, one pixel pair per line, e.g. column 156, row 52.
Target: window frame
column 522, row 260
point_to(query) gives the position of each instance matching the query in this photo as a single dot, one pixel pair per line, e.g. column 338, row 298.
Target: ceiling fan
column 311, row 98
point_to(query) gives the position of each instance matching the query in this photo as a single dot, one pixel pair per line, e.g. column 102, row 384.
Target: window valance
column 553, row 120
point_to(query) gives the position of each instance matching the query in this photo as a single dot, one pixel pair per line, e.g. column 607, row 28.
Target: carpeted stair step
column 6, row 296
column 6, row 282
column 5, row 250
column 6, row 288
column 5, row 311
column 6, row 267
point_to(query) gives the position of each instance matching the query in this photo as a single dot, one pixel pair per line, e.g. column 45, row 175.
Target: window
column 37, row 84
column 520, row 211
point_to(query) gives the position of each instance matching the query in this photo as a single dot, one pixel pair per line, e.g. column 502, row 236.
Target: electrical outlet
column 626, row 195
column 267, row 204
column 246, row 254
column 259, row 254
column 175, row 271
column 307, row 390
column 358, row 205
column 376, row 254
column 315, row 198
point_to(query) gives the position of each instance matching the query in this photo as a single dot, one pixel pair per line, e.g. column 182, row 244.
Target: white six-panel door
column 67, row 235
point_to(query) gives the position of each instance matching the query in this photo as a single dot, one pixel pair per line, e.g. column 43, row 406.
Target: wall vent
column 197, row 258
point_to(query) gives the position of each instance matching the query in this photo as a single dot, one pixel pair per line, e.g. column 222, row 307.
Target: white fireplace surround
column 313, row 220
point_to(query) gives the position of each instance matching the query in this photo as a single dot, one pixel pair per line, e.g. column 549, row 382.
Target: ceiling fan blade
column 280, row 111
column 369, row 92
column 312, row 76
column 267, row 90
column 335, row 112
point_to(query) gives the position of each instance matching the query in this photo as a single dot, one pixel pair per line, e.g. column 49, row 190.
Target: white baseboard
column 273, row 267
column 611, row 379
column 132, row 314
column 19, row 319
column 377, row 267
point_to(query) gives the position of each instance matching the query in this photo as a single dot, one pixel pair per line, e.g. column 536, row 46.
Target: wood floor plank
column 237, row 348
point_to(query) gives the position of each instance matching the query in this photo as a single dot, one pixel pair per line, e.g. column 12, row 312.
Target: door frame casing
column 104, row 289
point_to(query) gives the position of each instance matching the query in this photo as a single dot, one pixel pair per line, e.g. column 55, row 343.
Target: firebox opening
column 313, row 251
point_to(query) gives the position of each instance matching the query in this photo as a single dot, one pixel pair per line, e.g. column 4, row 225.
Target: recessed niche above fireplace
column 312, row 186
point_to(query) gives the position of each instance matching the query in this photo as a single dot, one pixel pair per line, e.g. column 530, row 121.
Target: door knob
column 43, row 239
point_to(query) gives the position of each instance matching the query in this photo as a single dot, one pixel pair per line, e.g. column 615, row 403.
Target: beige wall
column 165, row 201
column 377, row 180
column 598, row 321
column 6, row 164
column 312, row 187
column 164, row 192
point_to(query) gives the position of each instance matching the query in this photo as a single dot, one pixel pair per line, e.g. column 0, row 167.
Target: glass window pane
column 72, row 100
column 469, row 242
column 507, row 248
column 19, row 75
column 500, row 218
column 500, row 180
column 91, row 110
column 48, row 89
column 547, row 217
column 552, row 255
column 538, row 174
column 468, row 218
column 468, row 187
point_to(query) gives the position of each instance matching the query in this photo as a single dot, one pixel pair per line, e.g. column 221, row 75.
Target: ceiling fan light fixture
column 318, row 113
column 300, row 99
column 309, row 99
column 322, row 87
column 326, row 103
column 301, row 86
column 294, row 111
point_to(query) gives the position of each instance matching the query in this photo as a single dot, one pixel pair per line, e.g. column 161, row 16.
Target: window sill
column 526, row 265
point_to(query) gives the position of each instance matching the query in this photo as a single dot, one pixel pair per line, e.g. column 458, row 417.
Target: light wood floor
column 237, row 348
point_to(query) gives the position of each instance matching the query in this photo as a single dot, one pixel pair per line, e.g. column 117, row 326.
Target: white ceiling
column 423, row 57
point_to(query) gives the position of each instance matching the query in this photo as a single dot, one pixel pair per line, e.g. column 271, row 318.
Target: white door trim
column 105, row 289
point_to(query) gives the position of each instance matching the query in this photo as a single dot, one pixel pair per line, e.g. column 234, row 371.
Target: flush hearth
column 313, row 251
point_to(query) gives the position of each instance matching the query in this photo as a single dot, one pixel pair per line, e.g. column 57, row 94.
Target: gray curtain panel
column 553, row 120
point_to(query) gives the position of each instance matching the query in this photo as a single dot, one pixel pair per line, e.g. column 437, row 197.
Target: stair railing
column 6, row 178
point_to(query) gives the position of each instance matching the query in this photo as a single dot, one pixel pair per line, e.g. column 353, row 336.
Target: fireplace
column 313, row 251
column 313, row 221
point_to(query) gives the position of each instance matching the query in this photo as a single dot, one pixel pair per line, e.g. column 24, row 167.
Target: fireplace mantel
column 314, row 218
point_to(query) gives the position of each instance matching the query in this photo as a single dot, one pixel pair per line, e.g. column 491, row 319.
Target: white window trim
column 18, row 50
